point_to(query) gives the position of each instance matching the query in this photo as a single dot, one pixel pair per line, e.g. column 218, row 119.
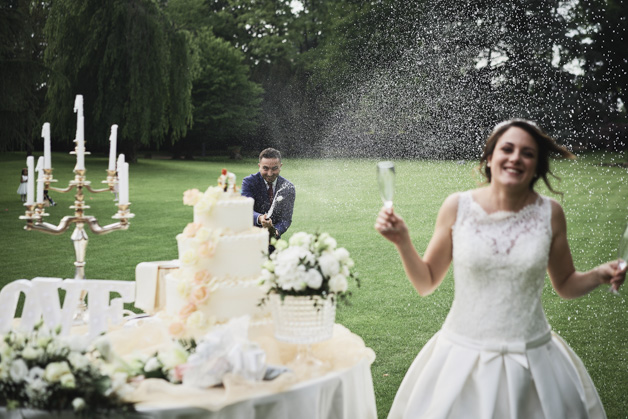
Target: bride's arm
column 425, row 273
column 568, row 282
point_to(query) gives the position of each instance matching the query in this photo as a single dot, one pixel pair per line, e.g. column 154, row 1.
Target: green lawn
column 341, row 197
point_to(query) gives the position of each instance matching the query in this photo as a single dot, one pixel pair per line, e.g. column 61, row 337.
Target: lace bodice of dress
column 499, row 261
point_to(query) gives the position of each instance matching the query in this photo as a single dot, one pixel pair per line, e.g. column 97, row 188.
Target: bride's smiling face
column 514, row 159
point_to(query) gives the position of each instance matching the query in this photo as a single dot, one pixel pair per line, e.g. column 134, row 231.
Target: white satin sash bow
column 489, row 351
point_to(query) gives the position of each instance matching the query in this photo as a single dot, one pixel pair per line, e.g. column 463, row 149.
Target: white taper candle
column 113, row 140
column 123, row 176
column 30, row 184
column 80, row 145
column 78, row 106
column 45, row 133
column 40, row 180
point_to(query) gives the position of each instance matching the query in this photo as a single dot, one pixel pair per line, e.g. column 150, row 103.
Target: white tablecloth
column 343, row 391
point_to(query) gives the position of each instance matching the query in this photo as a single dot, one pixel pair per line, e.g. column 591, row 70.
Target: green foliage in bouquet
column 309, row 265
column 42, row 370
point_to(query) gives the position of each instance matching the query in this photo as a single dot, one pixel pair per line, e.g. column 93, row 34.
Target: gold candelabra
column 35, row 214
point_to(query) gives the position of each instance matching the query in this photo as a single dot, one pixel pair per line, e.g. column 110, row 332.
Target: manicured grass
column 341, row 197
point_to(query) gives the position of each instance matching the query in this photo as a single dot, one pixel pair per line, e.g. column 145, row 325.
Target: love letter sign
column 42, row 300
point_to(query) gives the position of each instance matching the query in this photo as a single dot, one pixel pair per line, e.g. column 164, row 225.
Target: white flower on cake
column 191, row 197
column 308, row 265
column 197, row 320
column 207, row 249
column 191, row 229
column 190, row 257
column 203, row 234
column 184, row 288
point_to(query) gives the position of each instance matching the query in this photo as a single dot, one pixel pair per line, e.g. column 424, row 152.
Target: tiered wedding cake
column 220, row 259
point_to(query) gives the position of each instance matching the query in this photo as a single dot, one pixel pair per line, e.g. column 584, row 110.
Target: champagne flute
column 386, row 181
column 622, row 255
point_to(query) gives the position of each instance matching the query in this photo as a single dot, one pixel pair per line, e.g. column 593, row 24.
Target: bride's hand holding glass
column 391, row 226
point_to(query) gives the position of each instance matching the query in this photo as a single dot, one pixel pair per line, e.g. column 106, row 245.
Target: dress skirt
column 21, row 190
column 455, row 377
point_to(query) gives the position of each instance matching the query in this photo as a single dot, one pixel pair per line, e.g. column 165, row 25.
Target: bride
column 495, row 356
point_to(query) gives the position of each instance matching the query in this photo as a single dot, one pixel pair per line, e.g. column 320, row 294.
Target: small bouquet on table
column 304, row 279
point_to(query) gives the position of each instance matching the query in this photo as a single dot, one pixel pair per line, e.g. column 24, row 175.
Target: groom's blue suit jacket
column 254, row 186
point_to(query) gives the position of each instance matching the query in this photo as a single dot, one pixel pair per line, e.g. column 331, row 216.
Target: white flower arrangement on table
column 42, row 370
column 308, row 265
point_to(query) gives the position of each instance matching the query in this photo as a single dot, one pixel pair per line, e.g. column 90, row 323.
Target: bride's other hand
column 611, row 274
column 391, row 226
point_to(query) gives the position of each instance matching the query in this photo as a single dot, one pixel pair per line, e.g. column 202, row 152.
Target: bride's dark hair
column 546, row 144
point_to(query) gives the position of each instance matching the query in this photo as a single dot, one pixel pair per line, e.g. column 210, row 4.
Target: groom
column 267, row 186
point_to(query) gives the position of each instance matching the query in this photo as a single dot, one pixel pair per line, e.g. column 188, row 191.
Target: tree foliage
column 190, row 71
column 22, row 73
column 130, row 65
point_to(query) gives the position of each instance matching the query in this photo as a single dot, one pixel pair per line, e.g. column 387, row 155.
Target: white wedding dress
column 495, row 356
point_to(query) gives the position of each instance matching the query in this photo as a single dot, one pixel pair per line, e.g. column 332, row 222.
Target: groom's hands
column 267, row 223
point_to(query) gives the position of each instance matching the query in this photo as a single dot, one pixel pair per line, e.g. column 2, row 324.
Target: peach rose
column 199, row 295
column 187, row 310
column 191, row 197
column 176, row 329
column 207, row 249
column 202, row 277
column 191, row 229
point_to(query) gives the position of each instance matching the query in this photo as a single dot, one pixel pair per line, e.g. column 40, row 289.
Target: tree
column 130, row 64
column 226, row 102
column 22, row 73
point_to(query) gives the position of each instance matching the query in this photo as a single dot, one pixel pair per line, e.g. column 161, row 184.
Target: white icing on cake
column 220, row 257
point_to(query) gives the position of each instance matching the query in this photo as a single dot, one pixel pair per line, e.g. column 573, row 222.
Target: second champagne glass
column 622, row 254
column 386, row 181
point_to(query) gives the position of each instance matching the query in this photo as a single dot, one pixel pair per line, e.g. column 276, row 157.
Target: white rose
column 269, row 265
column 189, row 257
column 184, row 288
column 43, row 341
column 55, row 370
column 300, row 239
column 119, row 384
column 313, row 279
column 29, row 353
column 152, row 364
column 176, row 355
column 338, row 283
column 78, row 361
column 342, row 254
column 329, row 264
column 103, row 346
column 78, row 404
column 202, row 206
column 36, row 383
column 18, row 370
column 203, row 234
column 330, row 243
column 197, row 320
column 280, row 245
column 76, row 343
column 68, row 380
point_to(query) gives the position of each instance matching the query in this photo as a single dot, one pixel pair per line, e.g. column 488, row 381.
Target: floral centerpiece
column 309, row 265
column 304, row 278
column 42, row 370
